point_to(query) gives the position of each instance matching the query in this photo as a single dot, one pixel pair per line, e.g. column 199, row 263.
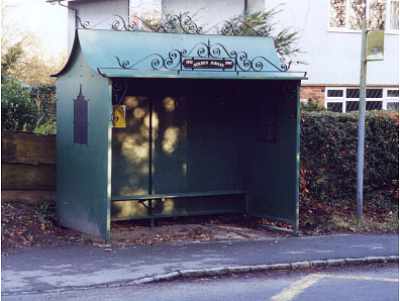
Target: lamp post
column 361, row 117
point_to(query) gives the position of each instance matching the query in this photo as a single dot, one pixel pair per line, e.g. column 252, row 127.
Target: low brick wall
column 316, row 93
column 27, row 164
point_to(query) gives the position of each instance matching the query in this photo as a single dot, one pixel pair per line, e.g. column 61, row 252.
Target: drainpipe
column 246, row 8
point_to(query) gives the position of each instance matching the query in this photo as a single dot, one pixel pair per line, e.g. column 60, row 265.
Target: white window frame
column 347, row 16
column 387, row 19
column 341, row 100
column 385, row 98
column 358, row 99
column 389, row 98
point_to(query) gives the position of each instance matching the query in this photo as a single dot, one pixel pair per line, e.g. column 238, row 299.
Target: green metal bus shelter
column 154, row 125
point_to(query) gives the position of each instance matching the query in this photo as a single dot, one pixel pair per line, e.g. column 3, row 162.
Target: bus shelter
column 154, row 125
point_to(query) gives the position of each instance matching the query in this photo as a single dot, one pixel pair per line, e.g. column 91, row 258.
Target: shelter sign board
column 207, row 64
column 375, row 45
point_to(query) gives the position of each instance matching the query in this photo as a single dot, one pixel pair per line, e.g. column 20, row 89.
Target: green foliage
column 311, row 106
column 255, row 24
column 45, row 99
column 10, row 58
column 262, row 24
column 181, row 22
column 328, row 151
column 18, row 111
column 24, row 60
column 47, row 128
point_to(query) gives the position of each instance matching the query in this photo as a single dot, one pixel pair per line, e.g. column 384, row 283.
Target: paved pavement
column 72, row 267
column 362, row 283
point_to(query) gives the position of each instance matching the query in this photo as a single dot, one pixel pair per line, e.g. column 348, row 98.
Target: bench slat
column 176, row 195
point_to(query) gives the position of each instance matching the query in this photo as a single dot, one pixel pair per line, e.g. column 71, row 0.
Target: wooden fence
column 28, row 166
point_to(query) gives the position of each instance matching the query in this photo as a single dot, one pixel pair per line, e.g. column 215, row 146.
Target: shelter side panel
column 82, row 151
column 273, row 160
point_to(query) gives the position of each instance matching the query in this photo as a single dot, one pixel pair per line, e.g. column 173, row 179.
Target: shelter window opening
column 80, row 119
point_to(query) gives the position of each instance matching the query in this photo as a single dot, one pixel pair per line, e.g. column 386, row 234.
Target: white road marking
column 301, row 285
column 360, row 277
column 297, row 287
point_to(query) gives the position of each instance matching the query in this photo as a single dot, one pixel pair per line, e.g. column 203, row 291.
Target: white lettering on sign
column 207, row 64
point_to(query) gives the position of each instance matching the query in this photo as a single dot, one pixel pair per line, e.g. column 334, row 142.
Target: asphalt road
column 40, row 269
column 367, row 284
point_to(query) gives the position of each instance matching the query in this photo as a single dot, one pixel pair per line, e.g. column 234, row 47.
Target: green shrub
column 18, row 110
column 47, row 128
column 311, row 106
column 328, row 155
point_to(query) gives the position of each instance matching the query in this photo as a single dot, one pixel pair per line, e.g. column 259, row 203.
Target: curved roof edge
column 71, row 56
column 169, row 55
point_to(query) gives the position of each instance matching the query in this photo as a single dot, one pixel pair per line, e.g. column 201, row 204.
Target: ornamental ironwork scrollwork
column 119, row 24
column 157, row 62
column 172, row 23
column 173, row 61
column 182, row 22
column 208, row 50
column 120, row 89
column 81, row 23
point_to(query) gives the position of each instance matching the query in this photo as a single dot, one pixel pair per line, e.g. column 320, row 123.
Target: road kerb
column 222, row 271
column 293, row 266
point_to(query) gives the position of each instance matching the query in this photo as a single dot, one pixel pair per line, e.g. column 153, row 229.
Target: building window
column 393, row 93
column 335, row 107
column 393, row 16
column 346, row 15
column 338, row 14
column 80, row 119
column 335, row 93
column 374, row 105
column 347, row 99
column 391, row 102
column 392, row 106
column 374, row 93
column 352, row 93
column 351, row 105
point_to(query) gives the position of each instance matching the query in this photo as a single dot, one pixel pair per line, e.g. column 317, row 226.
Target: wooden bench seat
column 147, row 199
column 176, row 195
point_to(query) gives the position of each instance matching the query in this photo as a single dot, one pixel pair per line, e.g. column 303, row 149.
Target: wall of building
column 331, row 57
column 210, row 14
column 334, row 57
column 99, row 13
column 255, row 5
column 315, row 93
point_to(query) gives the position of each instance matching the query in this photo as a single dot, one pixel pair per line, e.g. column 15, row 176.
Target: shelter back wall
column 207, row 136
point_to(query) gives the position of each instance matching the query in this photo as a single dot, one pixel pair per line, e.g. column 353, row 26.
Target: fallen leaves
column 28, row 225
column 322, row 217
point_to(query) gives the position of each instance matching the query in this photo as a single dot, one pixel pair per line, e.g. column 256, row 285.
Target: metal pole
column 361, row 118
column 246, row 8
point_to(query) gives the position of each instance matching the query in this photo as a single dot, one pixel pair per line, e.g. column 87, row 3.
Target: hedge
column 328, row 155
